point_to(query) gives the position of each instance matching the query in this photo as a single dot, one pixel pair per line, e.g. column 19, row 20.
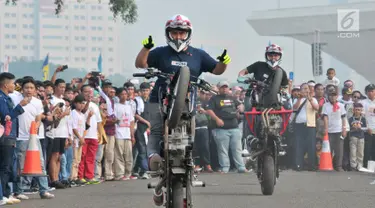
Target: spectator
column 7, row 142
column 331, row 78
column 223, row 109
column 335, row 124
column 357, row 135
column 369, row 112
column 124, row 137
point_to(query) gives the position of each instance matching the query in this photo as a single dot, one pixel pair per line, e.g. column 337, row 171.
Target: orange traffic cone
column 32, row 166
column 325, row 156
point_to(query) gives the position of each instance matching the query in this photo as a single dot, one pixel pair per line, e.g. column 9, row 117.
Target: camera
column 64, row 67
column 61, row 105
column 95, row 74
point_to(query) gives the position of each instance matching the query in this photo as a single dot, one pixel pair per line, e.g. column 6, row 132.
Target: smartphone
column 291, row 75
column 95, row 74
column 64, row 67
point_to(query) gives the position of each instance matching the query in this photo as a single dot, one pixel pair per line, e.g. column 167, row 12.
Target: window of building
column 100, row 18
column 7, row 25
column 93, row 49
column 24, row 5
column 83, row 38
column 14, row 36
column 31, row 26
column 93, row 7
column 66, row 58
column 110, row 49
column 53, row 47
column 25, row 47
column 93, row 38
column 83, row 17
column 99, row 7
column 14, row 25
column 110, row 59
column 52, row 37
column 82, row 6
column 31, row 5
column 24, row 26
column 14, row 15
column 93, row 28
column 31, row 37
column 100, row 38
column 7, row 46
column 76, row 17
column 7, row 14
column 7, row 36
column 83, row 59
column 76, row 6
column 83, row 49
column 100, row 28
column 93, row 58
column 83, row 28
column 93, row 17
column 48, row 26
column 110, row 28
column 76, row 38
column 14, row 47
column 31, row 15
column 31, row 47
column 24, row 15
column 76, row 59
column 66, row 38
column 25, row 36
column 66, row 27
column 110, row 39
column 76, row 27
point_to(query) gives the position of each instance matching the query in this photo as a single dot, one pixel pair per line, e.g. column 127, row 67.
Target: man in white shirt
column 334, row 114
column 59, row 133
column 87, row 165
column 369, row 111
column 124, row 137
column 33, row 112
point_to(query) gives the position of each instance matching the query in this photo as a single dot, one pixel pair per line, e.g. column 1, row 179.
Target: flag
column 100, row 63
column 45, row 68
column 6, row 64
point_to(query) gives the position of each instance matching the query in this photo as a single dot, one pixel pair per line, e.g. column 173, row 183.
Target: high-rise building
column 30, row 30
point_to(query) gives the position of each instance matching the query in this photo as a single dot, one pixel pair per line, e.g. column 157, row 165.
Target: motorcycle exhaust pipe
column 158, row 198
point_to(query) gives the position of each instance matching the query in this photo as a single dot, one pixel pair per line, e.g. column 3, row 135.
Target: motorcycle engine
column 275, row 124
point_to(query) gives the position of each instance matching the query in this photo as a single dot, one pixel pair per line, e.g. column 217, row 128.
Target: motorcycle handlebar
column 139, row 75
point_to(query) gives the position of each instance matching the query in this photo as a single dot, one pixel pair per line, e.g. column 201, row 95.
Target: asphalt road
column 294, row 189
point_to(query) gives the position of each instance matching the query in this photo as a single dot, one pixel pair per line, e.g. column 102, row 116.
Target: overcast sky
column 220, row 24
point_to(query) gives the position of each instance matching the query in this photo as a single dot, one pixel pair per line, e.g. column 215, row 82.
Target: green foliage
column 126, row 9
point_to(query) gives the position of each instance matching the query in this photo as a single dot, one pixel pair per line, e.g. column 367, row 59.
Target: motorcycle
column 177, row 105
column 267, row 121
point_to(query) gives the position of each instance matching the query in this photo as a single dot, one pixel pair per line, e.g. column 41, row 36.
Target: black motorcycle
column 177, row 105
column 267, row 121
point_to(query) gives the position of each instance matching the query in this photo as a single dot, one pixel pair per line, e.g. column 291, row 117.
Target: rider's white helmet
column 178, row 22
column 273, row 49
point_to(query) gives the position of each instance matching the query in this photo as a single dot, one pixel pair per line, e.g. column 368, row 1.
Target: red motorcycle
column 267, row 121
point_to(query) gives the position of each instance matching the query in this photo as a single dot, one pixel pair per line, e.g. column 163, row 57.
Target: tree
column 126, row 9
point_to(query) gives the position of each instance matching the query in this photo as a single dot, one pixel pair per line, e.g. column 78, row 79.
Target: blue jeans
column 6, row 164
column 229, row 139
column 25, row 182
column 140, row 159
column 66, row 162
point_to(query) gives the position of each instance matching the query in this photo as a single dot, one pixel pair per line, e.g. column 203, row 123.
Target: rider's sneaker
column 197, row 168
column 155, row 162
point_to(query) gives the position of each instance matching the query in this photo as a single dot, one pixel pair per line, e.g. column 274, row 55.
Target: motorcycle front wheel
column 268, row 174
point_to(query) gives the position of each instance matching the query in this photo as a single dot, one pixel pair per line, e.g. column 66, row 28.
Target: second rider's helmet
column 273, row 49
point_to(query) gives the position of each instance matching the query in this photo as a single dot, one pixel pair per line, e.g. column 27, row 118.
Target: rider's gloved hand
column 148, row 42
column 224, row 58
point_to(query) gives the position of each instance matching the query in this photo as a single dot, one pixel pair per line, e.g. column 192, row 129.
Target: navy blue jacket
column 7, row 109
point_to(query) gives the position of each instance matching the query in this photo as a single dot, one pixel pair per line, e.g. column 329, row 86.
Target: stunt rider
column 169, row 59
column 262, row 70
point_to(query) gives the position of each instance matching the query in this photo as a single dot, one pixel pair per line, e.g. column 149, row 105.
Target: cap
column 348, row 83
column 346, row 91
column 222, row 84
